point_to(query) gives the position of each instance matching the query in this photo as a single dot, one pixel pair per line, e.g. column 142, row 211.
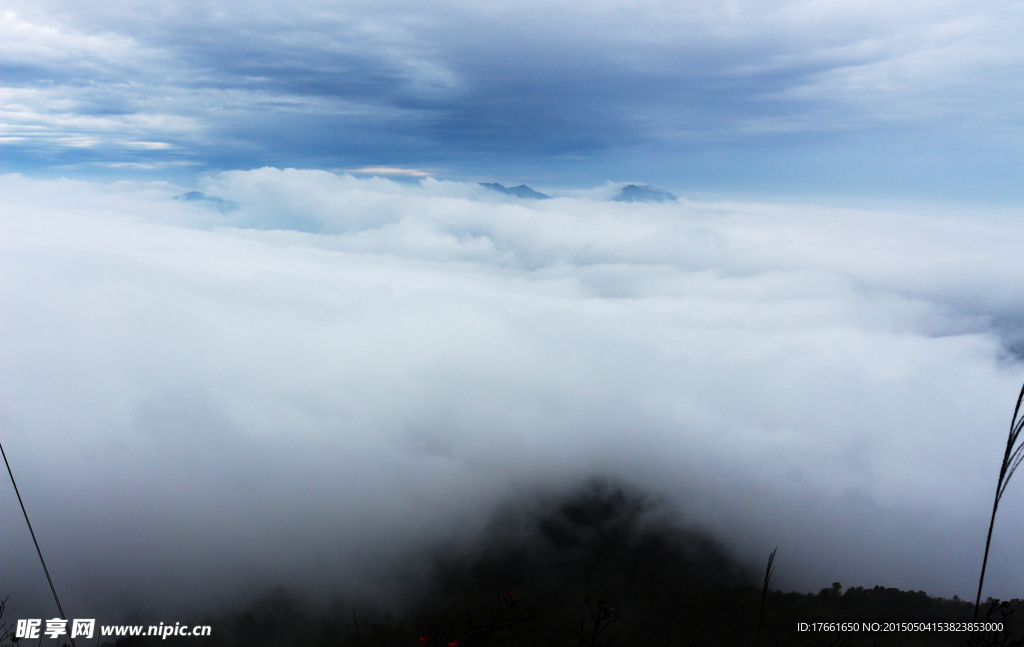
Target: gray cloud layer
column 915, row 95
column 330, row 373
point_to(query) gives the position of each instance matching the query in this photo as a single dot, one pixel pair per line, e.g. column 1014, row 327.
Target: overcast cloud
column 313, row 378
column 876, row 98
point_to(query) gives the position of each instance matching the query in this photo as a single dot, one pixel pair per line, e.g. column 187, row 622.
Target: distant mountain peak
column 521, row 191
column 644, row 193
column 199, row 196
column 191, row 196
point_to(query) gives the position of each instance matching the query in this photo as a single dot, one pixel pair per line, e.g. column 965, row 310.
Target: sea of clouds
column 313, row 378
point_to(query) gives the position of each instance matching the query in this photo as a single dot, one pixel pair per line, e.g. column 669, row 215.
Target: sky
column 348, row 351
column 913, row 100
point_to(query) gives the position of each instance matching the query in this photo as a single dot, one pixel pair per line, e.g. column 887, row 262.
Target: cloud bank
column 332, row 373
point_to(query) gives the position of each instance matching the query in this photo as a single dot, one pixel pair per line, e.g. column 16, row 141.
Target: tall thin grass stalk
column 359, row 639
column 34, row 541
column 1011, row 460
column 764, row 593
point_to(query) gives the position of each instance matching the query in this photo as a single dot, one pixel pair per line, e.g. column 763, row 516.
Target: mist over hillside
column 320, row 384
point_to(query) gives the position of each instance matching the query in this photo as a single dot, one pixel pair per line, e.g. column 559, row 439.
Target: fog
column 316, row 379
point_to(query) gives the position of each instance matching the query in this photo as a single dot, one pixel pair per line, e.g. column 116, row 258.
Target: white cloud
column 339, row 368
column 388, row 171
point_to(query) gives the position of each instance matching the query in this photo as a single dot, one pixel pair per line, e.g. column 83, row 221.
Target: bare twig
column 5, row 629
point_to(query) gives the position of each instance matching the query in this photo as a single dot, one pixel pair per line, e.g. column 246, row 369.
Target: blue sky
column 878, row 99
